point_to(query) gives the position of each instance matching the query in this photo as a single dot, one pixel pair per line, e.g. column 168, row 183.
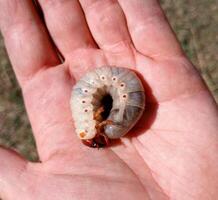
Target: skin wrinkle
column 98, row 177
column 190, row 142
column 182, row 73
column 83, row 59
column 144, row 17
column 54, row 151
column 163, row 139
column 135, row 176
column 78, row 51
column 162, row 57
column 178, row 178
column 41, row 72
column 169, row 169
column 23, row 176
column 141, row 179
column 14, row 31
column 187, row 98
column 156, row 17
column 154, row 173
column 183, row 95
column 59, row 30
column 197, row 152
column 138, row 53
column 166, row 130
column 130, row 41
column 51, row 4
column 181, row 132
column 130, row 64
column 95, row 3
column 127, row 43
column 117, row 47
column 69, row 30
column 23, row 171
column 50, row 125
column 42, row 139
column 182, row 60
column 80, row 172
column 20, row 27
column 102, row 177
column 11, row 6
column 32, row 76
column 22, row 23
column 29, row 186
column 124, row 36
column 121, row 183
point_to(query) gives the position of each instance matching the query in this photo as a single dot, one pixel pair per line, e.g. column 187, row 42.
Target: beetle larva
column 106, row 103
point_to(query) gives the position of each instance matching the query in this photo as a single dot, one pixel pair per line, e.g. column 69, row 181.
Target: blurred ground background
column 196, row 25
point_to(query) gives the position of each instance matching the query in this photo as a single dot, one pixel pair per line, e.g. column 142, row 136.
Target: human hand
column 170, row 154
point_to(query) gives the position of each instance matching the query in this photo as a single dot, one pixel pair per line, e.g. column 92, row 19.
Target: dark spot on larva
column 107, row 103
column 83, row 101
column 124, row 96
column 86, row 110
column 85, row 91
column 114, row 79
column 122, row 85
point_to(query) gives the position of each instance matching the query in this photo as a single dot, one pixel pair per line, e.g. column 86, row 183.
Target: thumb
column 12, row 169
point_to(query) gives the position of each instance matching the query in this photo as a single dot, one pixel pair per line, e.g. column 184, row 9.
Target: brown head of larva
column 100, row 140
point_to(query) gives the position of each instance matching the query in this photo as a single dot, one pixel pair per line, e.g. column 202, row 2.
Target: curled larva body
column 106, row 102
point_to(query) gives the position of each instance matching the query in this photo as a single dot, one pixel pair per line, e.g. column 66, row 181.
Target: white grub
column 128, row 104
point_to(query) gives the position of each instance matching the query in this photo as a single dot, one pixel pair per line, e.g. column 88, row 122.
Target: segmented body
column 128, row 96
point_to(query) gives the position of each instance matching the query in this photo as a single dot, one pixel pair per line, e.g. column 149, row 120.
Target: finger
column 149, row 29
column 107, row 24
column 67, row 25
column 12, row 166
column 26, row 40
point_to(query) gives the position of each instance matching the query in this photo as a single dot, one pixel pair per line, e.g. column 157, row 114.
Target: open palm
column 170, row 152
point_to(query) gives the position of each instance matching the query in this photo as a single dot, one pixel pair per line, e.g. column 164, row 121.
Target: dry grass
column 15, row 130
column 195, row 23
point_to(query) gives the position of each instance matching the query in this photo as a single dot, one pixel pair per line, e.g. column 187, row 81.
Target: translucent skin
column 128, row 97
column 122, row 126
column 171, row 154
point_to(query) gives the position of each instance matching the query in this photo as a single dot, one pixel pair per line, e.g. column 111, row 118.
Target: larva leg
column 100, row 140
column 100, row 126
column 97, row 114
